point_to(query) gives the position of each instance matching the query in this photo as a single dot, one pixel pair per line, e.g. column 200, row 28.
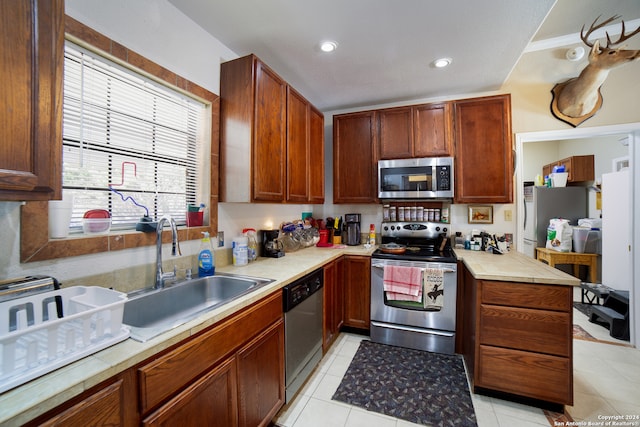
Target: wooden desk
column 554, row 257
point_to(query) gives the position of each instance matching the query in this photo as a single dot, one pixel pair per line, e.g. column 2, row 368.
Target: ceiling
column 386, row 48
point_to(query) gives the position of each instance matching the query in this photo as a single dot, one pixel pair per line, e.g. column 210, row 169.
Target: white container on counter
column 240, row 250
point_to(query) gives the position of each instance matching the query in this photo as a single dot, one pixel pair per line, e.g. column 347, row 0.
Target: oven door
column 397, row 312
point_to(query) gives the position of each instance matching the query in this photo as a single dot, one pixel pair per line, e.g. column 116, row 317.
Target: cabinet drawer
column 166, row 375
column 547, row 297
column 548, row 378
column 541, row 331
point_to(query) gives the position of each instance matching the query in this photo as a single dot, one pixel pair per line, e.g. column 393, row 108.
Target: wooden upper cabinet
column 316, row 156
column 396, row 133
column 269, row 135
column 267, row 130
column 578, row 168
column 297, row 147
column 483, row 150
column 432, row 129
column 305, row 150
column 31, row 66
column 415, row 131
column 354, row 159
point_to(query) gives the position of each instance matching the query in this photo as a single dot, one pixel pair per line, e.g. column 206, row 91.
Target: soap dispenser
column 206, row 257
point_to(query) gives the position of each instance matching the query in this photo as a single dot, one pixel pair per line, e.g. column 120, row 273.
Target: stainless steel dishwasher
column 302, row 303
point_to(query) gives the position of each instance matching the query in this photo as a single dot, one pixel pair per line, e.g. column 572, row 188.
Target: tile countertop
column 36, row 397
column 513, row 267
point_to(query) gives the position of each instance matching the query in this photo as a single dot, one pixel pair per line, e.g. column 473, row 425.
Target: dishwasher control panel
column 296, row 292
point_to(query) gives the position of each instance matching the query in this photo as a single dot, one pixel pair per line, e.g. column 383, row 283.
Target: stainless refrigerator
column 542, row 204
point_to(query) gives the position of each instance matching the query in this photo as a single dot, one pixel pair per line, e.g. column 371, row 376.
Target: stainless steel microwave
column 422, row 178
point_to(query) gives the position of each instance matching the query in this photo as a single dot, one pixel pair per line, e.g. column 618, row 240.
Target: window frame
column 35, row 244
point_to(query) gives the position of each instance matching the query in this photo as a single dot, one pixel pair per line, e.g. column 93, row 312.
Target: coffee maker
column 271, row 245
column 352, row 222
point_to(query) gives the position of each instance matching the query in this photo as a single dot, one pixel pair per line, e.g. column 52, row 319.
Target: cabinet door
column 31, row 66
column 357, row 291
column 432, row 130
column 210, row 401
column 297, row 147
column 396, row 133
column 484, row 153
column 269, row 139
column 261, row 377
column 316, row 156
column 338, row 308
column 354, row 162
column 104, row 407
column 333, row 300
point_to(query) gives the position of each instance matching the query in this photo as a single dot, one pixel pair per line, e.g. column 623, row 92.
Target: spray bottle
column 206, row 257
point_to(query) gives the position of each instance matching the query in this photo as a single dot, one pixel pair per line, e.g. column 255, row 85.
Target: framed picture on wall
column 480, row 214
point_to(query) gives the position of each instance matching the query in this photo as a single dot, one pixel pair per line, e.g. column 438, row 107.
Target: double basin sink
column 151, row 312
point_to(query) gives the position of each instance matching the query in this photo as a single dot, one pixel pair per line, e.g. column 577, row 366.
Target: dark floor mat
column 413, row 385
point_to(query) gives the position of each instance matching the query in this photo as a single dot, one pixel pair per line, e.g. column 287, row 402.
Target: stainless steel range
column 428, row 324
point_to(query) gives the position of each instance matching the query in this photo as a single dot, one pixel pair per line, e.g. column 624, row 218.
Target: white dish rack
column 43, row 332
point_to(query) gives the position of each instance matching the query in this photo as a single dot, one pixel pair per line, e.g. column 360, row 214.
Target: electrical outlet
column 508, row 216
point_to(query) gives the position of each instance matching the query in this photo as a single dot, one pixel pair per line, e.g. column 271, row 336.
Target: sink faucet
column 160, row 275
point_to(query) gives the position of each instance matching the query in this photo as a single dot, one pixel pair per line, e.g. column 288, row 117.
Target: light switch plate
column 508, row 215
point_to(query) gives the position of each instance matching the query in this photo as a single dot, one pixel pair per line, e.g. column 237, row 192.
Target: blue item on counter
column 206, row 257
column 558, row 169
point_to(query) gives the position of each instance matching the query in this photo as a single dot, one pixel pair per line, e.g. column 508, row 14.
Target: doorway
column 632, row 133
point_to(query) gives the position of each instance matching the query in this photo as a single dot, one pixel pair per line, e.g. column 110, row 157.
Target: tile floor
column 595, row 394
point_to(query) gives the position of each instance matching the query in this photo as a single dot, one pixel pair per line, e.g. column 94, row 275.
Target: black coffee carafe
column 271, row 246
column 352, row 225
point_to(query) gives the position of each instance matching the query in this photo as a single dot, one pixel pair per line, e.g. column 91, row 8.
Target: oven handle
column 446, row 270
column 412, row 329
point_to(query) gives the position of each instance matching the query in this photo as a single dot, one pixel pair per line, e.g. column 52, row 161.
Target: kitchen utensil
column 393, row 248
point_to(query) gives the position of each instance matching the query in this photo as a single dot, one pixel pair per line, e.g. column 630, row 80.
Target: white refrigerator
column 616, row 230
column 542, row 204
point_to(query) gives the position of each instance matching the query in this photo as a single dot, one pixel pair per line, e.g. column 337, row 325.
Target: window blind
column 129, row 144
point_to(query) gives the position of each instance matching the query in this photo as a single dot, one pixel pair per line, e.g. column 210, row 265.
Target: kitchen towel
column 433, row 288
column 403, row 283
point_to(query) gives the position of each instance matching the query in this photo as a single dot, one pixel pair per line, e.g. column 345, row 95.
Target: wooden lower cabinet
column 333, row 303
column 247, row 389
column 211, row 401
column 357, row 291
column 517, row 338
column 102, row 408
column 231, row 374
column 111, row 403
column 261, row 377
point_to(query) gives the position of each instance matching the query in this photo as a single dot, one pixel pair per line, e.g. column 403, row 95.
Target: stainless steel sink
column 151, row 312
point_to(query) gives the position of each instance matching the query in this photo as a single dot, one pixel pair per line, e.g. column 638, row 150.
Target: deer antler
column 593, row 27
column 622, row 37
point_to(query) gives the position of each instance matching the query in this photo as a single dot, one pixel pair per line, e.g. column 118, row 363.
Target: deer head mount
column 578, row 99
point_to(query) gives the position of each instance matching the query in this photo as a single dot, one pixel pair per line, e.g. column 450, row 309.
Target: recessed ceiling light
column 328, row 46
column 442, row 62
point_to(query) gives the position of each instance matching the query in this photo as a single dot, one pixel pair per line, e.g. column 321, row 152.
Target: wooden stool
column 576, row 259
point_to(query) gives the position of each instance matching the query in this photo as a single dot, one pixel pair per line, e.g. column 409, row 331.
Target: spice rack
column 416, row 211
